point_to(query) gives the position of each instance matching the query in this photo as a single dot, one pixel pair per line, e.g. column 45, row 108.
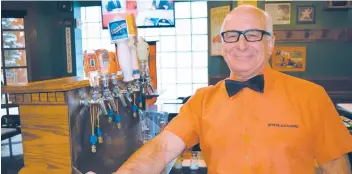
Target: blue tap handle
column 93, row 139
column 118, row 118
column 99, row 132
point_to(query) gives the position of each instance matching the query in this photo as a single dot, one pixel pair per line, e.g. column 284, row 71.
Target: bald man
column 257, row 121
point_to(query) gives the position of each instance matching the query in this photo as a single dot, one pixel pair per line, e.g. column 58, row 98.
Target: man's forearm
column 339, row 166
column 153, row 156
column 150, row 158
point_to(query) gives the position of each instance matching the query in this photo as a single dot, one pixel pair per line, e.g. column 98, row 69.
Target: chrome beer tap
column 129, row 92
column 104, row 70
column 150, row 87
column 107, row 96
column 116, row 91
column 143, row 56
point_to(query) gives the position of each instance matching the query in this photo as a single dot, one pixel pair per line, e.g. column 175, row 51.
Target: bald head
column 247, row 14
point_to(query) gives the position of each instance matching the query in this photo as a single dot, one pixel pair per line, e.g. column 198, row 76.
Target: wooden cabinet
column 56, row 129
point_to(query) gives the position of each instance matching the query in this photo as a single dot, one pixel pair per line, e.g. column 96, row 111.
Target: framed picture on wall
column 289, row 58
column 279, row 12
column 217, row 16
column 305, row 15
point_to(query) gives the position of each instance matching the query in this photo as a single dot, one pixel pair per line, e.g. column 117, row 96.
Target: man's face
column 246, row 57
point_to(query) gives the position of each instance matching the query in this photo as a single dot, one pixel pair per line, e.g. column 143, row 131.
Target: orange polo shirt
column 279, row 131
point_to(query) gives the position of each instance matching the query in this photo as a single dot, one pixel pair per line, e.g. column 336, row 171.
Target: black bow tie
column 256, row 83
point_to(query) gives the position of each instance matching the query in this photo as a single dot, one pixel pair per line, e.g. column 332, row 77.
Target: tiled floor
column 11, row 164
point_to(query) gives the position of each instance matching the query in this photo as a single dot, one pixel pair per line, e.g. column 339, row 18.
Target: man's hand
column 339, row 166
column 154, row 155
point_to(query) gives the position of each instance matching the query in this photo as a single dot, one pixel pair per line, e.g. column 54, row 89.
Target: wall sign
column 217, row 16
column 68, row 49
column 289, row 58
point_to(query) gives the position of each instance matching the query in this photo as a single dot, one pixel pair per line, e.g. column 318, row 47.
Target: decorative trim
column 51, row 97
column 35, row 97
column 38, row 98
column 313, row 35
column 19, row 98
column 43, row 97
column 60, row 97
column 27, row 98
column 12, row 97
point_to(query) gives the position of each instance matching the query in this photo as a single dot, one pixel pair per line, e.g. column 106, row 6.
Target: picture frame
column 289, row 58
column 305, row 14
column 217, row 16
column 279, row 12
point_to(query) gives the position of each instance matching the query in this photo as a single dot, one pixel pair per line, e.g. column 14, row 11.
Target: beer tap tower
column 143, row 54
column 95, row 102
column 104, row 69
column 126, row 69
column 115, row 76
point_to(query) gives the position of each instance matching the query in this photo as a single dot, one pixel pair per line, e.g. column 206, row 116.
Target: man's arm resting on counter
column 339, row 166
column 153, row 156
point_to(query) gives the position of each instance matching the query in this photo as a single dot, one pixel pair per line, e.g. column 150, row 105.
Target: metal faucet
column 96, row 99
column 116, row 91
column 129, row 92
column 107, row 96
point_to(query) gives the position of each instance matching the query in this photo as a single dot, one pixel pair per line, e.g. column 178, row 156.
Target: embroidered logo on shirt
column 282, row 125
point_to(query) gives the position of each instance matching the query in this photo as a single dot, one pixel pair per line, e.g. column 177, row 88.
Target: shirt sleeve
column 186, row 124
column 331, row 137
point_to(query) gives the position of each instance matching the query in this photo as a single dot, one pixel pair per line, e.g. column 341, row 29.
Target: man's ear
column 271, row 44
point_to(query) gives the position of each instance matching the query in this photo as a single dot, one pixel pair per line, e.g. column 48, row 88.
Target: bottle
column 194, row 161
column 91, row 64
column 178, row 163
column 104, row 61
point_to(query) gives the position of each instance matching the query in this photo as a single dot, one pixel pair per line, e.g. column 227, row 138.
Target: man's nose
column 242, row 44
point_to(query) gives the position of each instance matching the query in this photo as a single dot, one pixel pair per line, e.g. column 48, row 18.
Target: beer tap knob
column 102, row 106
column 107, row 97
column 149, row 84
column 129, row 93
column 117, row 94
column 97, row 99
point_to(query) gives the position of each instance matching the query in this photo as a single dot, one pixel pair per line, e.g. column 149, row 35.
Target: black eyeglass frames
column 232, row 36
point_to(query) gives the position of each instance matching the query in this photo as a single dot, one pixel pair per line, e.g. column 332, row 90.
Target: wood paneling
column 46, row 142
column 51, row 98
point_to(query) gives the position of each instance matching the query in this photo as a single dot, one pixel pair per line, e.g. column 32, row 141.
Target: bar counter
column 56, row 129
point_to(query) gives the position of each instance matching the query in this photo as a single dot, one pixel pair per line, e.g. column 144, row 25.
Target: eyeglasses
column 232, row 36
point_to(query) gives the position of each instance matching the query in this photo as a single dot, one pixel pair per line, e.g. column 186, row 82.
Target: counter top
column 52, row 85
column 346, row 107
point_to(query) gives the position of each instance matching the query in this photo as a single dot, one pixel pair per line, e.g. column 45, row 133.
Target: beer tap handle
column 129, row 93
column 112, row 103
column 128, row 97
column 102, row 106
column 151, row 87
column 119, row 95
column 122, row 99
